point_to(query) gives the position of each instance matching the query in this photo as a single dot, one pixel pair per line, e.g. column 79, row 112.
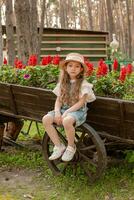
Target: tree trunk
column 26, row 28
column 1, row 42
column 41, row 27
column 89, row 10
column 129, row 28
column 62, row 14
column 22, row 27
column 10, row 32
column 132, row 29
column 34, row 27
column 101, row 17
column 110, row 18
column 120, row 25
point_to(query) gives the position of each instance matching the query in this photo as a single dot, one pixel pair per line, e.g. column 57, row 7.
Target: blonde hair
column 70, row 94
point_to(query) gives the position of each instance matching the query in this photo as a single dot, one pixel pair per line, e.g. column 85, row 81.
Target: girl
column 73, row 93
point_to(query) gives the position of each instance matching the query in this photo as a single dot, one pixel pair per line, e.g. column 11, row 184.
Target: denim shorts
column 79, row 115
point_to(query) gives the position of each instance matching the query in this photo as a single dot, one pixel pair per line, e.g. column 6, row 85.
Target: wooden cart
column 109, row 127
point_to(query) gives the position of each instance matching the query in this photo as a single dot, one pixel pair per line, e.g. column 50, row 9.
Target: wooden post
column 1, row 134
column 13, row 128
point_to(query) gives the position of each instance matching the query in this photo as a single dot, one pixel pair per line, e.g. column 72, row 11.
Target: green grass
column 117, row 182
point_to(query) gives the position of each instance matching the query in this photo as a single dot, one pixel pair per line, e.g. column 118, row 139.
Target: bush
column 115, row 83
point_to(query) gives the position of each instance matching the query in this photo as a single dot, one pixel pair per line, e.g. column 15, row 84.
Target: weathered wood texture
column 32, row 103
column 113, row 116
column 92, row 44
column 7, row 105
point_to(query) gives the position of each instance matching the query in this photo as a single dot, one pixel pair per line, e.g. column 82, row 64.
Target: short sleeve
column 56, row 90
column 86, row 88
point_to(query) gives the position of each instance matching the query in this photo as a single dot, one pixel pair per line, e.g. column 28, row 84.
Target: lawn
column 25, row 175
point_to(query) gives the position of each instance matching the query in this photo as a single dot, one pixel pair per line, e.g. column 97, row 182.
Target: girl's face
column 73, row 68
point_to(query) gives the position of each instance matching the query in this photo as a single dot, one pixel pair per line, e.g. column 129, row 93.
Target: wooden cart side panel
column 33, row 102
column 7, row 105
column 116, row 117
column 129, row 119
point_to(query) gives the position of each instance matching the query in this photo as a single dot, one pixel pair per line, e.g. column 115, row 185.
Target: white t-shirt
column 86, row 88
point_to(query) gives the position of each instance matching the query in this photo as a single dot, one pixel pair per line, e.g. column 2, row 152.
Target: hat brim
column 64, row 62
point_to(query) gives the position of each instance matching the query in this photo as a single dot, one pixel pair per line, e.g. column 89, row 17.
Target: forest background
column 114, row 16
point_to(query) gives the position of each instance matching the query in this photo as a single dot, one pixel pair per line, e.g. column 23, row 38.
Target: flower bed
column 25, row 92
column 117, row 83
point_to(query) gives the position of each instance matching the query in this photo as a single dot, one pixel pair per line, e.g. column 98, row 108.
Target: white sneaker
column 69, row 153
column 57, row 152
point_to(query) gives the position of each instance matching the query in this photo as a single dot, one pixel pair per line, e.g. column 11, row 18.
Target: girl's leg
column 68, row 123
column 59, row 148
column 48, row 121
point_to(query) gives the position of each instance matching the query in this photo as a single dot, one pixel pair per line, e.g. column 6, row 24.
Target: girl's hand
column 64, row 114
column 58, row 118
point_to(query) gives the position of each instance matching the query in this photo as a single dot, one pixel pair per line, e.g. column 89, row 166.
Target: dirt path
column 20, row 184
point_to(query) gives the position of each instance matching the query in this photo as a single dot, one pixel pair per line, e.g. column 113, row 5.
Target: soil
column 23, row 184
column 19, row 184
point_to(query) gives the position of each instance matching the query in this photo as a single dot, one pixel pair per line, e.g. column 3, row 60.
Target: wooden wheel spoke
column 62, row 137
column 59, row 161
column 65, row 167
column 91, row 173
column 80, row 138
column 91, row 153
column 89, row 160
column 91, row 147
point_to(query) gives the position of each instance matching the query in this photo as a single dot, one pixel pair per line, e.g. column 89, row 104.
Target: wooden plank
column 31, row 90
column 6, row 99
column 73, row 42
column 74, row 39
column 76, row 45
column 33, row 102
column 110, row 115
column 73, row 35
column 86, row 55
column 71, row 48
column 72, row 31
column 83, row 52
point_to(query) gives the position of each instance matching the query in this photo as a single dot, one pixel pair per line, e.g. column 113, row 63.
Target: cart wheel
column 92, row 152
column 57, row 166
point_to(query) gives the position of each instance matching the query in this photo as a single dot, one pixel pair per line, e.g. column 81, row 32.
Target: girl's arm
column 78, row 105
column 58, row 117
column 57, row 106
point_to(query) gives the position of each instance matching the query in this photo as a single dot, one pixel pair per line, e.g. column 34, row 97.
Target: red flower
column 46, row 60
column 90, row 68
column 101, row 61
column 102, row 69
column 32, row 61
column 129, row 68
column 115, row 64
column 56, row 60
column 123, row 74
column 18, row 64
column 5, row 61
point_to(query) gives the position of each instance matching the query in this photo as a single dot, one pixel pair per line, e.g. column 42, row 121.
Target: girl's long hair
column 70, row 94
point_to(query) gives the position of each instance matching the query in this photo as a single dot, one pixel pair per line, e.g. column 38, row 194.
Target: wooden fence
column 92, row 44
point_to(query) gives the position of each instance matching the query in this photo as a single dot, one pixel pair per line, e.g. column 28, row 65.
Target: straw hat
column 73, row 57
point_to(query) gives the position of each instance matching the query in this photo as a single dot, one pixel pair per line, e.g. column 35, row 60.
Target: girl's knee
column 47, row 119
column 68, row 121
